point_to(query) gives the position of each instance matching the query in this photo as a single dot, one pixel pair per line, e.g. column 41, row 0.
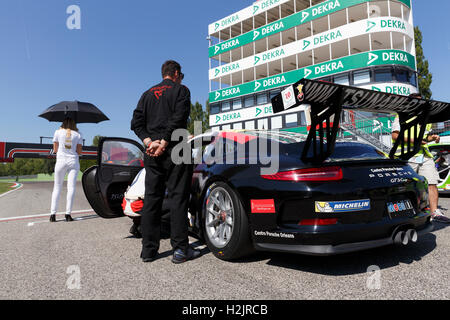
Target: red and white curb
column 16, row 186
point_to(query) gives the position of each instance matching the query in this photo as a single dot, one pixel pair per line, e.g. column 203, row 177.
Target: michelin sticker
column 342, row 206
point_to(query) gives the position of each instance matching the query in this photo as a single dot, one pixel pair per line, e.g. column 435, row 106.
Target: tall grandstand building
column 257, row 52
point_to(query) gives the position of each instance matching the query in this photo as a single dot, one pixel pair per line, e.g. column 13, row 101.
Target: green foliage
column 21, row 167
column 86, row 164
column 199, row 114
column 49, row 166
column 96, row 140
column 424, row 75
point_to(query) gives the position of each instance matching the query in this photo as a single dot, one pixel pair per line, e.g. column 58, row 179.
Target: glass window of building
column 261, row 98
column 413, row 79
column 237, row 104
column 215, row 108
column 402, row 75
column 226, row 106
column 342, row 79
column 360, row 77
column 237, row 126
column 383, row 75
column 302, row 118
column 291, row 120
column 263, row 124
column 226, row 127
column 250, row 125
column 249, row 101
column 273, row 93
column 276, row 122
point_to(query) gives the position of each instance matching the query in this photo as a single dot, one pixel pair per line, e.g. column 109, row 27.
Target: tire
column 225, row 223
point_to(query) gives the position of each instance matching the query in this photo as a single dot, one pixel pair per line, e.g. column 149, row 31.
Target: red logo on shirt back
column 159, row 91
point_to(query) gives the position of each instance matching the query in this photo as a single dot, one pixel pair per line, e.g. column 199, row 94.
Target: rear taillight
column 318, row 222
column 311, row 175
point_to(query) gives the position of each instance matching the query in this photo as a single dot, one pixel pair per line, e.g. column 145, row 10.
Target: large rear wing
column 327, row 100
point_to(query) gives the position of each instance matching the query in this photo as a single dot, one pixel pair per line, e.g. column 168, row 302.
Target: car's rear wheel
column 225, row 223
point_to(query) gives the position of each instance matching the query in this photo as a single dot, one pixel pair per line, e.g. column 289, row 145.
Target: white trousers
column 64, row 165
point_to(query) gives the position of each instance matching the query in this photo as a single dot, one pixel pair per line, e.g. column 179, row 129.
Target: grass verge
column 5, row 187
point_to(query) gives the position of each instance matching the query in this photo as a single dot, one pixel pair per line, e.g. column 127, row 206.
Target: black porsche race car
column 328, row 196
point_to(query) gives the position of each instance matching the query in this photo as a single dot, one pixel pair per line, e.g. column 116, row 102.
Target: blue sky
column 118, row 53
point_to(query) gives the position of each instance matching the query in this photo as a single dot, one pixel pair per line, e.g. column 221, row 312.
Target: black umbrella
column 81, row 112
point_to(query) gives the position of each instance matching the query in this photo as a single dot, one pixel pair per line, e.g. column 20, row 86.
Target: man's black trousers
column 161, row 172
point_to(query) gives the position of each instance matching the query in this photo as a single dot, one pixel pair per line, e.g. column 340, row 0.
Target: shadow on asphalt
column 339, row 265
column 357, row 262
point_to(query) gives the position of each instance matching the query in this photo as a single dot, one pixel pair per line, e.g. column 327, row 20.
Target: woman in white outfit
column 67, row 144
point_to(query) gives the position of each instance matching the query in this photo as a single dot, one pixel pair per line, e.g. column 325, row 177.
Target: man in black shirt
column 160, row 111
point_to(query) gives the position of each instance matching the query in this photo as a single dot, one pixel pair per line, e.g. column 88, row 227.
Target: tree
column 96, row 140
column 197, row 114
column 49, row 166
column 206, row 116
column 86, row 164
column 424, row 76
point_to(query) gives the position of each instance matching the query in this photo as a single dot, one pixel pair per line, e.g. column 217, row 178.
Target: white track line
column 42, row 215
column 15, row 189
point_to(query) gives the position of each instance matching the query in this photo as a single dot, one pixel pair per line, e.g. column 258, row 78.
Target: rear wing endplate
column 327, row 100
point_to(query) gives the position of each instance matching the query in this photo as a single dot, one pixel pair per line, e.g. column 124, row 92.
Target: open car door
column 119, row 161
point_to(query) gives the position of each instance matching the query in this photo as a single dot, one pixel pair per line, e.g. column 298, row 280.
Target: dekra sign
column 328, row 37
column 393, row 24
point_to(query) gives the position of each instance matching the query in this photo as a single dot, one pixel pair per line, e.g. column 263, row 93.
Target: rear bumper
column 328, row 250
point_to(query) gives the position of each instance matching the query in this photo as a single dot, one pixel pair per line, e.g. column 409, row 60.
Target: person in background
column 67, row 144
column 423, row 164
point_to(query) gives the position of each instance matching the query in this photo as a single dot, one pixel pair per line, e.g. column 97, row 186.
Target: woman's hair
column 69, row 124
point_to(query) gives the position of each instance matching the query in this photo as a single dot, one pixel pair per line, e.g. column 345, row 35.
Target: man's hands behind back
column 157, row 148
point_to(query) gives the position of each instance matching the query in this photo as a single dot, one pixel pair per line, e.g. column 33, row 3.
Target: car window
column 122, row 153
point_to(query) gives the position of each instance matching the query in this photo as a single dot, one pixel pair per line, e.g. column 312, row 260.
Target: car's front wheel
column 225, row 223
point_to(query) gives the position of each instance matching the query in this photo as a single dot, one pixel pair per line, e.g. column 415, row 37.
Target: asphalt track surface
column 94, row 258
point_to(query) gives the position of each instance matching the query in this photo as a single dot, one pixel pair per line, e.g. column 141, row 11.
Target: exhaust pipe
column 403, row 237
column 412, row 235
column 399, row 238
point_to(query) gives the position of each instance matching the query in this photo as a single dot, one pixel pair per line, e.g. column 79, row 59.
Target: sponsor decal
column 399, row 206
column 288, row 96
column 396, row 173
column 370, row 25
column 274, row 234
column 300, row 95
column 228, row 117
column 342, row 206
column 391, row 23
column 327, row 37
column 263, row 206
column 360, row 60
column 399, row 89
column 319, row 40
column 227, row 22
column 289, row 22
column 306, row 44
column 372, row 58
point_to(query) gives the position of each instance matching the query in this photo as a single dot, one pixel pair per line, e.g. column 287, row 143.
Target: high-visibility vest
column 424, row 148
